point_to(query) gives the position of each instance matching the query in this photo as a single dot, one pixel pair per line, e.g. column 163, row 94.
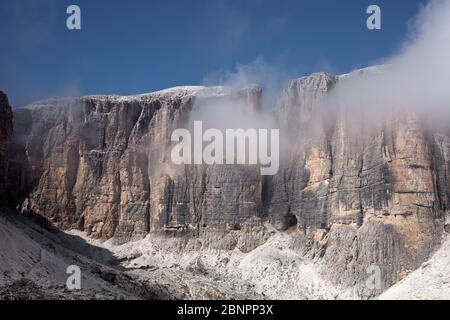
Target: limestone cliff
column 355, row 192
column 102, row 164
column 365, row 192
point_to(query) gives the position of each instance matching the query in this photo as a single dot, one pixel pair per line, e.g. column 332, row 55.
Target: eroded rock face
column 103, row 164
column 365, row 192
column 357, row 193
column 6, row 129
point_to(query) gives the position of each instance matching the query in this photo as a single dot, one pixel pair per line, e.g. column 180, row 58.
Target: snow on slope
column 34, row 261
column 271, row 271
column 158, row 267
column 179, row 91
column 430, row 282
column 170, row 93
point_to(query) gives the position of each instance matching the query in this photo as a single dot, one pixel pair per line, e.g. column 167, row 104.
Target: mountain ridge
column 353, row 191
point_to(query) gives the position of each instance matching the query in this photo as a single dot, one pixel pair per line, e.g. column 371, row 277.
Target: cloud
column 272, row 79
column 415, row 78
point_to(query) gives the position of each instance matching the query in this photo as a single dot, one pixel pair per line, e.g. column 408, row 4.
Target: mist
column 415, row 78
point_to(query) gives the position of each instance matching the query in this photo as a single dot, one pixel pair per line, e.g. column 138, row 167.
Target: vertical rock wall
column 357, row 192
column 6, row 129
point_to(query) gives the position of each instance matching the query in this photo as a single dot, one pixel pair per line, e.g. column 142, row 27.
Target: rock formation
column 364, row 193
column 355, row 192
column 6, row 128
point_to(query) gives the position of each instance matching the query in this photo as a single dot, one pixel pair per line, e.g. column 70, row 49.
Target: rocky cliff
column 6, row 128
column 354, row 192
column 366, row 192
column 102, row 164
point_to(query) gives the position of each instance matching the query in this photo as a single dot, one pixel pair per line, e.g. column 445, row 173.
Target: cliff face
column 6, row 128
column 355, row 192
column 365, row 191
column 103, row 164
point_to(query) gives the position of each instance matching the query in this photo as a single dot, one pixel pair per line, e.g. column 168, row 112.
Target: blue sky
column 136, row 46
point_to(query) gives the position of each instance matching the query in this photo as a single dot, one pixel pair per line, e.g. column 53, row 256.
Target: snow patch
column 430, row 282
